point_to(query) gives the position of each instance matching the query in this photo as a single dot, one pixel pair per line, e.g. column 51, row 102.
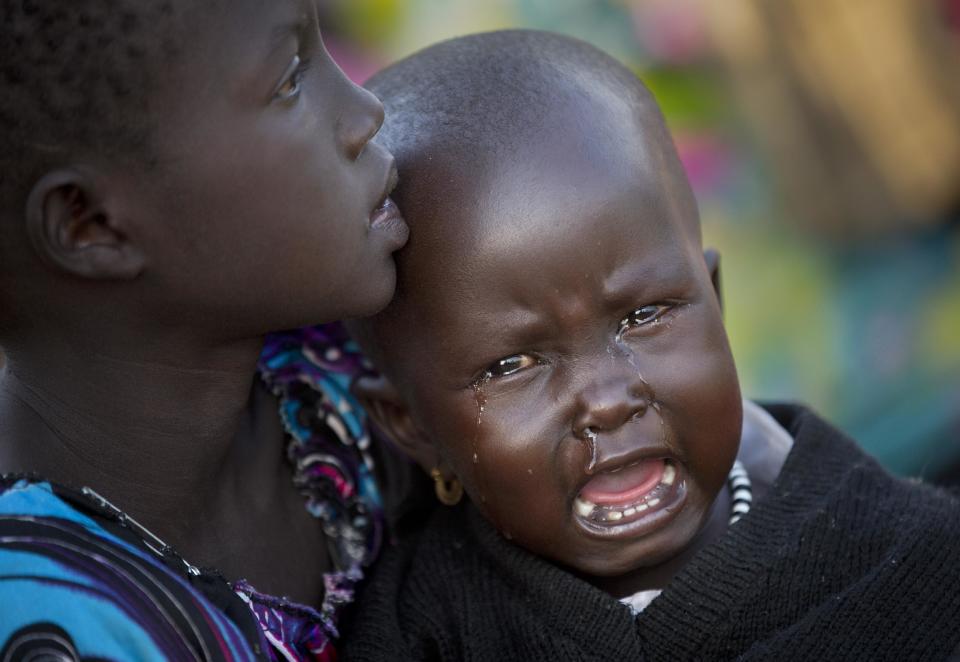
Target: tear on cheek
column 480, row 399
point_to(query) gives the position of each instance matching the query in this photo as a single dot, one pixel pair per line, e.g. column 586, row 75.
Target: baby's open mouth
column 627, row 494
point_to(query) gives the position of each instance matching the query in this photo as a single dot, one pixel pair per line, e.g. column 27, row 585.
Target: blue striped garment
column 68, row 582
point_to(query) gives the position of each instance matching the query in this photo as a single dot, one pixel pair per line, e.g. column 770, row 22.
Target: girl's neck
column 161, row 431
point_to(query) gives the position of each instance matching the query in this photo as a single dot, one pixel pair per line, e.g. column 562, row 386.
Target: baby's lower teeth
column 616, row 515
column 583, row 508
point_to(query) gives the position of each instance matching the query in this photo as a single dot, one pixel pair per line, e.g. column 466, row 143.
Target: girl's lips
column 387, row 218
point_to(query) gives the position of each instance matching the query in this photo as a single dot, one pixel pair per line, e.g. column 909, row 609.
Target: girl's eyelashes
column 292, row 77
column 508, row 365
column 648, row 314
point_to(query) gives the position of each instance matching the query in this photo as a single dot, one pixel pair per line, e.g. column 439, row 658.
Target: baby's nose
column 611, row 400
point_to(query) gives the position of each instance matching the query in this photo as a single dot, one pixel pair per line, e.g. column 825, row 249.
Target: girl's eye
column 509, row 365
column 650, row 313
column 290, row 87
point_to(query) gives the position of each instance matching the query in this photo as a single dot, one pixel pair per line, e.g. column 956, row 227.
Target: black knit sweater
column 840, row 561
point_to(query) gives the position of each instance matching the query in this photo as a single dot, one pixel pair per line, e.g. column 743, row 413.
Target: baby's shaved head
column 490, row 94
column 489, row 89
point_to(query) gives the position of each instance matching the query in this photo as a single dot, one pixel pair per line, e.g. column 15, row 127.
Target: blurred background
column 822, row 138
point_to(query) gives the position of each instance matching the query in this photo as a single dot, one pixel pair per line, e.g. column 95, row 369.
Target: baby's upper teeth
column 669, row 474
column 583, row 508
column 614, row 515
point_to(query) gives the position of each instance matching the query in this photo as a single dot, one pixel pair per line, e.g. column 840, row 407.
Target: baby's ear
column 390, row 414
column 712, row 258
column 74, row 227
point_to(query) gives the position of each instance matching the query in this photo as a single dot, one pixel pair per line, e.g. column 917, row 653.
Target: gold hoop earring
column 449, row 492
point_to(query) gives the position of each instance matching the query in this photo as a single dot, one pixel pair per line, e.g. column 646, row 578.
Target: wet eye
column 643, row 315
column 509, row 365
column 290, row 87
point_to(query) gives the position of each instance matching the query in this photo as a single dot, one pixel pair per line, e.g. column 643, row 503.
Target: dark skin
column 138, row 297
column 560, row 288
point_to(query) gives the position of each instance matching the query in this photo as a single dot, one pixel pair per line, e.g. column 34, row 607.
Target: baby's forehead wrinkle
column 671, row 265
column 510, row 329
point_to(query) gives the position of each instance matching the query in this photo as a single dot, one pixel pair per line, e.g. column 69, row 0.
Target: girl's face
column 267, row 207
column 569, row 362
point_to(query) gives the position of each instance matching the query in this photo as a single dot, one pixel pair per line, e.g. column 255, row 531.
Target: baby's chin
column 626, row 562
column 615, row 558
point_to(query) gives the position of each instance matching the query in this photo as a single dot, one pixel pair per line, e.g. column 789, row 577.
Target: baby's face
column 570, row 362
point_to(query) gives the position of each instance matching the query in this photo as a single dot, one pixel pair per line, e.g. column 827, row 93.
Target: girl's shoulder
column 74, row 582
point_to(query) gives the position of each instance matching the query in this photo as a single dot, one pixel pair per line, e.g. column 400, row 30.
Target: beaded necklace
column 741, row 492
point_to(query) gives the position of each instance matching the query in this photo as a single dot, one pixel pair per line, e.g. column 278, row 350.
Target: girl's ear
column 74, row 229
column 389, row 413
column 712, row 258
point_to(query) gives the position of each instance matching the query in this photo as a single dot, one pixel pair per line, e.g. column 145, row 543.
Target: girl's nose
column 359, row 122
